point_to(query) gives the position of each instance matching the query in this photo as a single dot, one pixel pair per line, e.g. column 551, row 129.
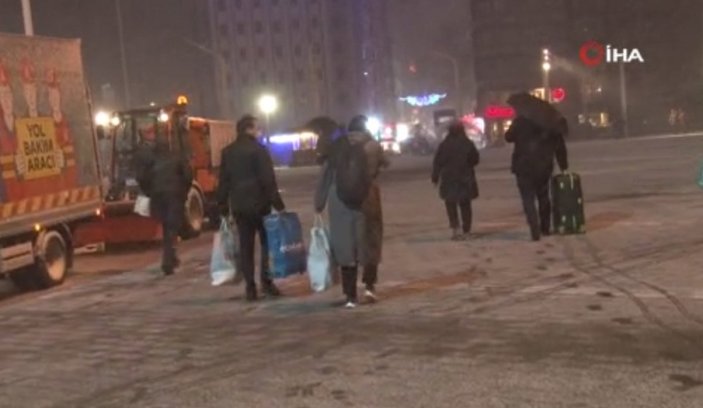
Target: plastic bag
column 142, row 206
column 223, row 261
column 287, row 253
column 320, row 257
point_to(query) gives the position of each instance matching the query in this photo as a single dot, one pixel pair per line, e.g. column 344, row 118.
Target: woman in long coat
column 356, row 235
column 453, row 169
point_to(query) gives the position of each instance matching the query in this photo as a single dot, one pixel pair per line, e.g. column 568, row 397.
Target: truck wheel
column 214, row 218
column 194, row 215
column 23, row 279
column 52, row 260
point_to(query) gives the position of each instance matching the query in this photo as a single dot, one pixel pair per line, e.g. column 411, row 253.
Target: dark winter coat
column 247, row 183
column 163, row 173
column 356, row 236
column 535, row 149
column 453, row 169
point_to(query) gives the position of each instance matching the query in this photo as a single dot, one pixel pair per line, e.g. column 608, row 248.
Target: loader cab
column 133, row 135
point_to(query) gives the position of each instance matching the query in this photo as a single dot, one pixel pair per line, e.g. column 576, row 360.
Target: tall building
column 509, row 36
column 317, row 57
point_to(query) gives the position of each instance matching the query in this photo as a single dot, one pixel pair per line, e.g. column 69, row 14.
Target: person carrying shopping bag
column 349, row 189
column 248, row 187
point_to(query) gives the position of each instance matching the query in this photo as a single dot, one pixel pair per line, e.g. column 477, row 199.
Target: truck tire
column 52, row 260
column 24, row 279
column 194, row 217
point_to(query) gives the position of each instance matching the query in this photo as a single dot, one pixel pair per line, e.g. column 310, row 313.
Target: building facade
column 318, row 57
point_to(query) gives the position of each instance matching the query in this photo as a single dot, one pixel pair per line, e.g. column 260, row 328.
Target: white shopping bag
column 142, row 206
column 320, row 263
column 223, row 263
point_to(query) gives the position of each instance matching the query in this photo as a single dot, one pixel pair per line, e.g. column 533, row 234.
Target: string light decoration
column 423, row 100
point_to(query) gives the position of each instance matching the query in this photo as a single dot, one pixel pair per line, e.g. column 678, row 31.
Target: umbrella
column 538, row 111
column 326, row 129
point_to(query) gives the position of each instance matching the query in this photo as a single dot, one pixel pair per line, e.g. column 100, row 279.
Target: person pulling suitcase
column 533, row 165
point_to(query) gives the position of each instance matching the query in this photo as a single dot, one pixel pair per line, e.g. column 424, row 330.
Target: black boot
column 252, row 295
column 270, row 289
column 349, row 277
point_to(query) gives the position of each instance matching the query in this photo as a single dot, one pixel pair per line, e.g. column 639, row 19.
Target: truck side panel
column 47, row 141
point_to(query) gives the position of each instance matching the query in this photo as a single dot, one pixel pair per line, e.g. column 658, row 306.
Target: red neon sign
column 558, row 95
column 499, row 112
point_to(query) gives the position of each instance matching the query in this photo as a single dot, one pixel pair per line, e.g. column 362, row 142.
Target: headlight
column 102, row 119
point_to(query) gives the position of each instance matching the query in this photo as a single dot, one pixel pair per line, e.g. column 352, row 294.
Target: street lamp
column 27, row 17
column 457, row 79
column 222, row 74
column 268, row 105
column 546, row 68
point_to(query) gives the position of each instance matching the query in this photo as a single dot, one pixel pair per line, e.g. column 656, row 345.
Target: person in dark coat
column 453, row 170
column 165, row 177
column 248, row 191
column 356, row 235
column 533, row 165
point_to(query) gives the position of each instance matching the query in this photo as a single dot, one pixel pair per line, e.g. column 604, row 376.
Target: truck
column 50, row 182
column 120, row 136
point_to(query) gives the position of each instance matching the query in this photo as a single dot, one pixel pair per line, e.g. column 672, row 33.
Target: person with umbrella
column 538, row 133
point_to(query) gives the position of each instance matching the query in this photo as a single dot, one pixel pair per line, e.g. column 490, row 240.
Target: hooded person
column 453, row 170
column 356, row 226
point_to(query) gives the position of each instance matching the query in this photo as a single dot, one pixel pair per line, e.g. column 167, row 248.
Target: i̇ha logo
column 594, row 53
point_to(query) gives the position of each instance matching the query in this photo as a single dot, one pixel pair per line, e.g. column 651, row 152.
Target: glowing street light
column 374, row 125
column 268, row 105
column 102, row 118
column 546, row 68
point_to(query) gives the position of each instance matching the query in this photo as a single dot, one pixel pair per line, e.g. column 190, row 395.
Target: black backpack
column 351, row 173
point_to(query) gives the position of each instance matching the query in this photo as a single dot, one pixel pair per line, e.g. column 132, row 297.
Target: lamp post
column 27, row 17
column 268, row 105
column 123, row 54
column 223, row 69
column 457, row 79
column 546, row 68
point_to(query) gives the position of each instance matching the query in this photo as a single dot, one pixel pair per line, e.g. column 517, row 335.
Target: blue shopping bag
column 287, row 254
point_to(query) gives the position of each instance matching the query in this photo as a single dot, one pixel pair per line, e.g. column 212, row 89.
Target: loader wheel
column 194, row 218
column 23, row 279
column 52, row 261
